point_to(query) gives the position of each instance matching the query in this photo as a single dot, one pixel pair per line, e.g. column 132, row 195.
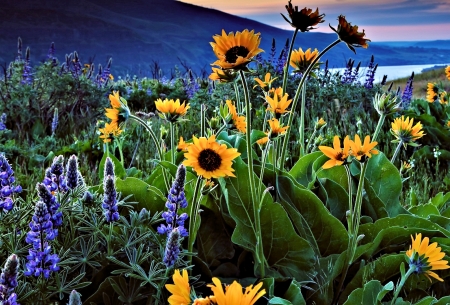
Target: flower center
column 232, row 54
column 340, row 156
column 209, row 160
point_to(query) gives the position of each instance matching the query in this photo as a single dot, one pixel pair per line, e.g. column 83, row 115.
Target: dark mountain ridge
column 139, row 33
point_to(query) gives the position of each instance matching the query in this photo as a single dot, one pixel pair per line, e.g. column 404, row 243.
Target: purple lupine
column 384, row 80
column 370, row 74
column 76, row 65
column 272, row 53
column 109, row 205
column 19, row 50
column 7, row 185
column 40, row 259
column 355, row 73
column 8, row 281
column 190, row 84
column 98, row 79
column 172, row 250
column 54, row 121
column 9, row 71
column 27, row 76
column 46, row 196
column 107, row 72
column 109, row 168
column 73, row 175
column 3, row 121
column 283, row 58
column 408, row 92
column 347, row 77
column 51, row 53
column 175, row 200
column 55, row 179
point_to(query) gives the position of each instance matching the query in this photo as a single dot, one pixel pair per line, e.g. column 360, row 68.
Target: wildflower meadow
column 265, row 180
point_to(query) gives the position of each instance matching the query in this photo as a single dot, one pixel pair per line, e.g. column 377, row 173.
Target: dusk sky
column 382, row 20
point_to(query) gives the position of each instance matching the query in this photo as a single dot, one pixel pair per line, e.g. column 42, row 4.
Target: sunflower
column 114, row 98
column 224, row 76
column 305, row 19
column 182, row 146
column 276, row 128
column 180, row 289
column 171, row 110
column 203, row 301
column 119, row 112
column 424, row 257
column 231, row 108
column 320, row 123
column 234, row 295
column 278, row 106
column 266, row 84
column 432, row 92
column 109, row 132
column 405, row 132
column 361, row 151
column 276, row 91
column 235, row 51
column 337, row 155
column 447, row 72
column 264, row 140
column 300, row 60
column 209, row 158
column 350, row 35
column 443, row 98
column 238, row 121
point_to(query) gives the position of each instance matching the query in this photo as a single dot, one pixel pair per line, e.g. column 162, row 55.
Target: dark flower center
column 232, row 54
column 209, row 160
column 340, row 156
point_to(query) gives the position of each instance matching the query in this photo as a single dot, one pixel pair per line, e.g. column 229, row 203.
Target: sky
column 382, row 20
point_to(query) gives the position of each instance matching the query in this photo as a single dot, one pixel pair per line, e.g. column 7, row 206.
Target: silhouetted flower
column 350, row 35
column 305, row 19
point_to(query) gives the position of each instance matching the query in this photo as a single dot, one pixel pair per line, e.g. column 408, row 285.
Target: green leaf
column 119, row 170
column 329, row 233
column 287, row 254
column 279, row 301
column 256, row 135
column 294, row 295
column 425, row 210
column 303, row 170
column 366, row 295
column 144, row 194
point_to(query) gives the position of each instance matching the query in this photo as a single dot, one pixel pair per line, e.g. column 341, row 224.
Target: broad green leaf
column 329, row 233
column 294, row 294
column 256, row 135
column 145, row 195
column 303, row 171
column 279, row 301
column 119, row 170
column 440, row 199
column 335, row 197
column 369, row 294
column 424, row 210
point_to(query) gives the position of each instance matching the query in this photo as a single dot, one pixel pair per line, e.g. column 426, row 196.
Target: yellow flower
column 300, row 60
column 350, row 35
column 432, row 92
column 320, row 123
column 447, row 72
column 109, row 132
column 171, row 110
column 265, row 85
column 264, row 140
column 278, row 91
column 235, row 51
column 224, row 76
column 238, row 121
column 305, row 19
column 276, row 129
column 443, row 98
column 234, row 295
column 359, row 150
column 180, row 289
column 231, row 108
column 424, row 257
column 337, row 155
column 277, row 105
column 119, row 112
column 405, row 132
column 202, row 301
column 182, row 146
column 209, row 158
column 448, row 123
column 111, row 77
column 115, row 99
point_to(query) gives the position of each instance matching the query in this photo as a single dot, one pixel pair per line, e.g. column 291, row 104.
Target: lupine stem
column 253, row 196
column 295, row 101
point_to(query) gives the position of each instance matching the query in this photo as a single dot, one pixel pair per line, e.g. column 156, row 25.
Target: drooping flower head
column 119, row 112
column 234, row 293
column 403, row 130
column 224, row 76
column 180, row 289
column 349, row 34
column 424, row 257
column 209, row 158
column 363, row 151
column 337, row 155
column 300, row 60
column 266, row 84
column 171, row 110
column 320, row 123
column 109, row 132
column 276, row 129
column 7, row 185
column 305, row 19
column 443, row 98
column 278, row 106
column 432, row 92
column 235, row 51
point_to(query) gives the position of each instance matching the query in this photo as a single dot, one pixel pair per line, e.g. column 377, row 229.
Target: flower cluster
column 55, row 180
column 233, row 294
column 3, row 121
column 171, row 110
column 40, row 259
column 278, row 105
column 370, row 74
column 408, row 92
column 8, row 281
column 73, row 175
column 52, row 205
column 434, row 93
column 27, row 75
column 109, row 205
column 7, row 185
column 339, row 155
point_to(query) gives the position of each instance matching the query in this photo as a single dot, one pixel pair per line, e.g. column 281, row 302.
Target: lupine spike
column 74, row 298
column 8, row 278
column 19, row 49
column 172, row 250
column 7, row 185
column 408, row 92
column 109, row 204
column 109, row 167
column 55, row 121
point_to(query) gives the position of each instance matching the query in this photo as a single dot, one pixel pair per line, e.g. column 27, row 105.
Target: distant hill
column 138, row 33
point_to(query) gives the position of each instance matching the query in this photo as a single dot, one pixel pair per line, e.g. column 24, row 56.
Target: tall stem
column 302, row 121
column 379, row 125
column 399, row 287
column 309, row 141
column 253, row 196
column 286, row 67
column 172, row 142
column 238, row 99
column 193, row 214
column 397, row 150
column 295, row 101
column 358, row 201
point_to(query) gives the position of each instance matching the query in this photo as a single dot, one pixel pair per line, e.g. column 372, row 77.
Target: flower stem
column 378, row 128
column 172, row 142
column 286, row 67
column 238, row 99
column 302, row 121
column 253, row 196
column 397, row 150
column 295, row 101
column 399, row 287
column 193, row 214
column 358, row 202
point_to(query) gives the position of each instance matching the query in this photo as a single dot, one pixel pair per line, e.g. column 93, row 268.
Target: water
column 393, row 72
